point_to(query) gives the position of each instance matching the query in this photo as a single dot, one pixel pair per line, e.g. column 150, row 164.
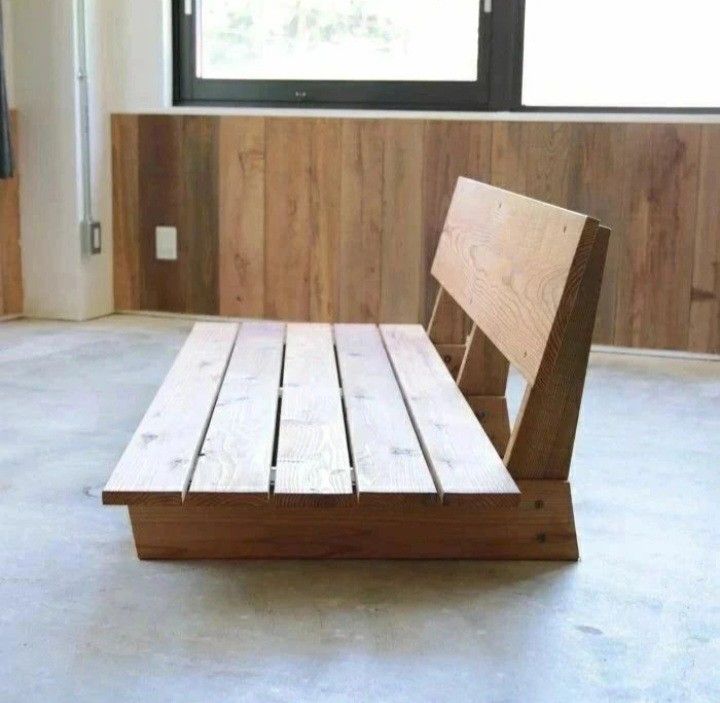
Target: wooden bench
column 354, row 440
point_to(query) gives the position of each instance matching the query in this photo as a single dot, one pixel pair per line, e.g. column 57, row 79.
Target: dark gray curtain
column 6, row 165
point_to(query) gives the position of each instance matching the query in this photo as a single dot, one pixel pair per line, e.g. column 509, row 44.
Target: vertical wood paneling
column 302, row 211
column 704, row 334
column 402, row 296
column 661, row 178
column 287, row 218
column 199, row 213
column 127, row 249
column 361, row 220
column 548, row 157
column 507, row 162
column 326, row 219
column 451, row 149
column 11, row 289
column 161, row 189
column 325, row 195
column 596, row 189
column 241, row 154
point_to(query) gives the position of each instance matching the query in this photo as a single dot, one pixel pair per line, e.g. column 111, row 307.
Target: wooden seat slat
column 466, row 466
column 313, row 466
column 388, row 460
column 236, row 458
column 157, row 464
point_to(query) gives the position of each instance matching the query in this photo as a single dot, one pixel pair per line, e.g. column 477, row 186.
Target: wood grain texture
column 313, row 466
column 506, row 259
column 542, row 440
column 11, row 286
column 596, row 188
column 241, row 163
column 237, row 453
column 387, row 457
column 451, row 149
column 287, row 218
column 128, row 271
column 447, row 320
column 156, row 467
column 160, row 187
column 484, row 370
column 350, row 211
column 704, row 333
column 402, row 284
column 325, row 194
column 361, row 221
column 302, row 201
column 198, row 234
column 465, row 465
column 492, row 413
column 540, row 527
column 661, row 189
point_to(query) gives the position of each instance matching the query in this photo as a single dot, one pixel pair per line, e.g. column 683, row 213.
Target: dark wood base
column 540, row 527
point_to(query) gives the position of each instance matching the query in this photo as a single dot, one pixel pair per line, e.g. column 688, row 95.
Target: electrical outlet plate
column 166, row 243
column 95, row 238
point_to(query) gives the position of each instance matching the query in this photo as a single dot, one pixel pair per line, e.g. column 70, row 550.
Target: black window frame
column 498, row 86
column 498, row 89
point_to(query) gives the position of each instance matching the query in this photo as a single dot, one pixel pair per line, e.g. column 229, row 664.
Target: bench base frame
column 540, row 527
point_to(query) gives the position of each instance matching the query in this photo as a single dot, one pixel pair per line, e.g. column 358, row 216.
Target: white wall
column 138, row 37
column 45, row 98
column 9, row 54
column 60, row 280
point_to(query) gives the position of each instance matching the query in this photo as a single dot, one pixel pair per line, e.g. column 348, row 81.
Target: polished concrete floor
column 81, row 619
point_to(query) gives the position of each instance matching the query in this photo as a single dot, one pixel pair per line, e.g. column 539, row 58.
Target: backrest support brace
column 528, row 276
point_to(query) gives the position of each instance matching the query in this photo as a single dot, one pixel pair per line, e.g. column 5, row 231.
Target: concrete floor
column 81, row 619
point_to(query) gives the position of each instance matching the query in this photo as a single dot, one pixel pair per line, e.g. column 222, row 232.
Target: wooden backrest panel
column 513, row 264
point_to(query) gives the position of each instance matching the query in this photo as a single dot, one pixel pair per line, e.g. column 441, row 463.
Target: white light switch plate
column 166, row 243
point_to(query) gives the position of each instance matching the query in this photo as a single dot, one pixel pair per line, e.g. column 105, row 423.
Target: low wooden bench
column 269, row 439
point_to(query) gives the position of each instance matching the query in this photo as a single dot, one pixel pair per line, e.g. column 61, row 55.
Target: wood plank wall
column 338, row 219
column 11, row 290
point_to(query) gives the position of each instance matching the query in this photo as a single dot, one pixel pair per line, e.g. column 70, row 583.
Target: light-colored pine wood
column 156, row 467
column 447, row 321
column 452, row 356
column 542, row 440
column 466, row 467
column 310, row 357
column 540, row 527
column 451, row 148
column 484, row 370
column 313, row 466
column 388, row 460
column 492, row 412
column 236, row 458
column 506, row 260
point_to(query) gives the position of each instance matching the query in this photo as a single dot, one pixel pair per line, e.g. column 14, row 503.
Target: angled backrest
column 515, row 266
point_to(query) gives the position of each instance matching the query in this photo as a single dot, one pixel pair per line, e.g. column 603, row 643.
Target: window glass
column 351, row 40
column 621, row 53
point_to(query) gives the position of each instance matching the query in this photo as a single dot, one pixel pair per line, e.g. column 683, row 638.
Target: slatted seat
column 271, row 439
column 406, row 436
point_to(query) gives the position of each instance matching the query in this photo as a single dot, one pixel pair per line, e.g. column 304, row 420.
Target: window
column 448, row 54
column 621, row 53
